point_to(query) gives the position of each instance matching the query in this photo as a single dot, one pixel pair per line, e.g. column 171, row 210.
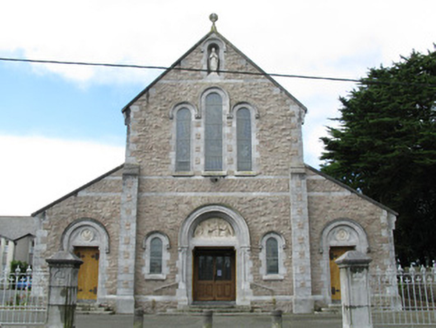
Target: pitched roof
column 16, row 227
column 354, row 191
column 177, row 62
column 74, row 192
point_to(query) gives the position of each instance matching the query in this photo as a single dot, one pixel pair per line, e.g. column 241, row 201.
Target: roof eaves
column 177, row 62
column 74, row 192
column 354, row 191
column 278, row 85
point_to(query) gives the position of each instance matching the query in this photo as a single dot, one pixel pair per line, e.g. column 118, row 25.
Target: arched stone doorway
column 338, row 237
column 214, row 233
column 89, row 240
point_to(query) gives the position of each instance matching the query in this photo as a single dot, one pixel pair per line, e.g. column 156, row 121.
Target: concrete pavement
column 219, row 321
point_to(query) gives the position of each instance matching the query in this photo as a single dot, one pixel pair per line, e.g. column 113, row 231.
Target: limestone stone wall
column 100, row 202
column 166, row 214
column 262, row 199
column 329, row 201
column 277, row 129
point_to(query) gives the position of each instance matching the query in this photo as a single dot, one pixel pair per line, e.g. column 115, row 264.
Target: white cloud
column 36, row 170
column 282, row 36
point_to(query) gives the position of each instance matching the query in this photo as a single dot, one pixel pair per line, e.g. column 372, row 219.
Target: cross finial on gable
column 213, row 18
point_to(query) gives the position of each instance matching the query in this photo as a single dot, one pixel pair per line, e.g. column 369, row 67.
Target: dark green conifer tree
column 385, row 147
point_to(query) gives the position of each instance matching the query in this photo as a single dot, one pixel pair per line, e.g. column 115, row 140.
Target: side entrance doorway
column 88, row 272
column 214, row 274
column 335, row 279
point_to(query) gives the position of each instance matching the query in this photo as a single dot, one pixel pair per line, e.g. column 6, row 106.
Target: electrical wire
column 175, row 67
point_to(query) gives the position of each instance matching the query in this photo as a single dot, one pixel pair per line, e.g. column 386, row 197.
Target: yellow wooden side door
column 335, row 279
column 88, row 273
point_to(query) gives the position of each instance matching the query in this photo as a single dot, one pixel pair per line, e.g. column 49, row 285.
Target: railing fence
column 23, row 297
column 404, row 298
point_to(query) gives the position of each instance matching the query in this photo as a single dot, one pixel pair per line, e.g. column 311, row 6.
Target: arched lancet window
column 272, row 256
column 156, row 256
column 183, row 143
column 243, row 131
column 214, row 133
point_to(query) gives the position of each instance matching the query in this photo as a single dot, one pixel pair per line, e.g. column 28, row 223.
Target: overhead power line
column 175, row 67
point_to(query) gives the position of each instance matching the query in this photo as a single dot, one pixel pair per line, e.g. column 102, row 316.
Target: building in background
column 17, row 240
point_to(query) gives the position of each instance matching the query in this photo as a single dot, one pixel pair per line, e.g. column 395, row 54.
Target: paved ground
column 219, row 321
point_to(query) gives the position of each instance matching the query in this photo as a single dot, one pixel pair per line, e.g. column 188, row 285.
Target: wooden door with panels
column 88, row 272
column 214, row 274
column 335, row 278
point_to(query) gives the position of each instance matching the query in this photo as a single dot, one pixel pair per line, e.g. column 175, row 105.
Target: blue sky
column 61, row 126
column 48, row 105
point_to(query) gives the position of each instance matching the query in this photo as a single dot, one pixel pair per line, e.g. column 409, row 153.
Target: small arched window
column 243, row 132
column 214, row 133
column 156, row 256
column 183, row 143
column 272, row 256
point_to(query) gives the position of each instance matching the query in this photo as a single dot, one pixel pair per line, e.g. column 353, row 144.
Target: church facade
column 214, row 204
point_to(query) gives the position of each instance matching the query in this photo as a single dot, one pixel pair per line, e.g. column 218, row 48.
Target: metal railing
column 404, row 298
column 23, row 299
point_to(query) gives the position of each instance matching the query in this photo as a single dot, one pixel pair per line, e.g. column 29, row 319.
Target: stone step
column 86, row 308
column 217, row 309
column 332, row 308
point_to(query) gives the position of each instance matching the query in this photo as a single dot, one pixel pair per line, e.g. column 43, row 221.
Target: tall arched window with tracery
column 183, row 143
column 243, row 142
column 213, row 133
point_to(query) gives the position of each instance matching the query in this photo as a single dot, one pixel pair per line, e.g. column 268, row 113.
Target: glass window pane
column 272, row 256
column 156, row 255
column 205, row 267
column 183, row 143
column 213, row 133
column 243, row 127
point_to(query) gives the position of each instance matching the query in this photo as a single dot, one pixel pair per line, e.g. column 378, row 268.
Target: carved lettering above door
column 214, row 228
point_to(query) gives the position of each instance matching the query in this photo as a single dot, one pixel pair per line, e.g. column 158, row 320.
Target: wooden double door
column 214, row 274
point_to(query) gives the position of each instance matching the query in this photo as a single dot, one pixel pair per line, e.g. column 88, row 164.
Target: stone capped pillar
column 303, row 300
column 355, row 290
column 127, row 240
column 62, row 297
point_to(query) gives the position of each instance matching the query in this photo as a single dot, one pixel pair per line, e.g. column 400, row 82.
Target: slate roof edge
column 74, row 192
column 354, row 191
column 177, row 62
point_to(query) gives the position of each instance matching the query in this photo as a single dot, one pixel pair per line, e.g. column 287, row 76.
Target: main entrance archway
column 214, row 261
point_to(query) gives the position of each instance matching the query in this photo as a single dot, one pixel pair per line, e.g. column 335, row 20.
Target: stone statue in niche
column 213, row 60
column 214, row 228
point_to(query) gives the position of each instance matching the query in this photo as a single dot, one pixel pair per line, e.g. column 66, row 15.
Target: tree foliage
column 385, row 147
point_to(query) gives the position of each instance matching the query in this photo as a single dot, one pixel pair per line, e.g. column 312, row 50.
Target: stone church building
column 214, row 204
